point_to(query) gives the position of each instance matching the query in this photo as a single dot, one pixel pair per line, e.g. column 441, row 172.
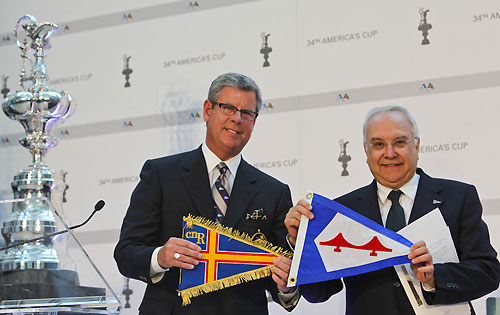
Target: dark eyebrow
column 244, row 110
column 225, row 104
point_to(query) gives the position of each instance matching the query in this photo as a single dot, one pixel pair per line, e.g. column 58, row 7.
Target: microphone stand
column 47, row 283
column 46, row 238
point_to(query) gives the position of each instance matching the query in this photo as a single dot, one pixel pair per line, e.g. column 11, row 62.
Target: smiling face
column 227, row 135
column 392, row 166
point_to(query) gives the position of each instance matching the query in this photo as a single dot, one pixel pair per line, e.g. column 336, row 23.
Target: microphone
column 98, row 206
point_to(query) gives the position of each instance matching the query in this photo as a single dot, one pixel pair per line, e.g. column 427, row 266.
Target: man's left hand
column 281, row 270
column 421, row 263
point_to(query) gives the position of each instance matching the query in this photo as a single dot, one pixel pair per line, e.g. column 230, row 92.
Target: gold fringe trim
column 256, row 274
column 232, row 233
column 187, row 294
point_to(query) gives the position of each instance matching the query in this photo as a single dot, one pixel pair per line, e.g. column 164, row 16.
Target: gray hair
column 237, row 81
column 390, row 108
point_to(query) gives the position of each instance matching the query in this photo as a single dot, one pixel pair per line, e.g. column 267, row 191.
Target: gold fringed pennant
column 229, row 258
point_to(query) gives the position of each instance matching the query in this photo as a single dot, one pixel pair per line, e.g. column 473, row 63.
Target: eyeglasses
column 399, row 143
column 230, row 110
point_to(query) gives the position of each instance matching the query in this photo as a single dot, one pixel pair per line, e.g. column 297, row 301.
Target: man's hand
column 292, row 219
column 281, row 270
column 188, row 254
column 421, row 263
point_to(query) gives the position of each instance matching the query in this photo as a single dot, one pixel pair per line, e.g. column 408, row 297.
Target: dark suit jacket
column 380, row 292
column 174, row 186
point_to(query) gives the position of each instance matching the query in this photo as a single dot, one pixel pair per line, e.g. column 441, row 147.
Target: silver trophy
column 36, row 270
column 38, row 108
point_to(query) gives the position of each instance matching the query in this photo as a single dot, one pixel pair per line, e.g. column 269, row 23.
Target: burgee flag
column 229, row 258
column 340, row 242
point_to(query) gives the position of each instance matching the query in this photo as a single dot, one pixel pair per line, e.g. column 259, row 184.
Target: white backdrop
column 330, row 63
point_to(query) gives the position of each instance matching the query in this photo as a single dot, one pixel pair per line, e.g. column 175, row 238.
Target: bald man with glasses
column 400, row 194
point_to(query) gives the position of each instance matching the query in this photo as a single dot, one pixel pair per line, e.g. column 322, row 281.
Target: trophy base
column 43, row 284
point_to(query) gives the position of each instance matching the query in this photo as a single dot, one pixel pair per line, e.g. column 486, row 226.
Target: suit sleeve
column 477, row 273
column 141, row 230
column 321, row 291
column 278, row 237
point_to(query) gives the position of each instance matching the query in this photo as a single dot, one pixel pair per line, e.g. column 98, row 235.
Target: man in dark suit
column 151, row 248
column 391, row 144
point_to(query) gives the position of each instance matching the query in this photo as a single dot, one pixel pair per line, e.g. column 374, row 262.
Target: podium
column 44, row 269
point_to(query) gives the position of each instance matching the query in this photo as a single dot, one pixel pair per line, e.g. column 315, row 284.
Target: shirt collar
column 409, row 189
column 212, row 160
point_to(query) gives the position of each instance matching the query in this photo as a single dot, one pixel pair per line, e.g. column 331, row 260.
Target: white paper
column 432, row 229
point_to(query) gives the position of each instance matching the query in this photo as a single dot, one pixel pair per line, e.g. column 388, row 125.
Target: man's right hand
column 292, row 219
column 188, row 254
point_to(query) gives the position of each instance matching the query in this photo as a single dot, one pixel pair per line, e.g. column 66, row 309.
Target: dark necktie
column 396, row 217
column 220, row 193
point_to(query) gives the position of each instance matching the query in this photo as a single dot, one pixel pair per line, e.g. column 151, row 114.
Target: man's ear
column 207, row 110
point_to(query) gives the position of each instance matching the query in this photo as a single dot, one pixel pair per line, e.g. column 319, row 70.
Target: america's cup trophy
column 265, row 50
column 126, row 69
column 33, row 267
column 343, row 157
column 424, row 27
column 5, row 90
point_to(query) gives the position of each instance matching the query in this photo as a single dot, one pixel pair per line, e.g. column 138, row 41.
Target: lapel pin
column 257, row 214
column 435, row 202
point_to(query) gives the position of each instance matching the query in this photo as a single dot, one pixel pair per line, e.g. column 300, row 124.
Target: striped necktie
column 396, row 217
column 220, row 193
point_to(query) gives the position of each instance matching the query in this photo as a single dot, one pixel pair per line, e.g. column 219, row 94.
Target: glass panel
column 43, row 267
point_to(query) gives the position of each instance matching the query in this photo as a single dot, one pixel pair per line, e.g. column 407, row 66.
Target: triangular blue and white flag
column 340, row 242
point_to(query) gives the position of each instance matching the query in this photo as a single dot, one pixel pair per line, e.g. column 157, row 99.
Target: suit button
column 396, row 284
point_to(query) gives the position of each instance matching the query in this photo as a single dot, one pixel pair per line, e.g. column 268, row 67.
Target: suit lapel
column 368, row 203
column 196, row 181
column 427, row 197
column 243, row 192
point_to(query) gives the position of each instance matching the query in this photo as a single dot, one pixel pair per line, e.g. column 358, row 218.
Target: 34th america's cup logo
column 374, row 245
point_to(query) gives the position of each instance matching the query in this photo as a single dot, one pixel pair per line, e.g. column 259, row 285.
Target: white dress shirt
column 406, row 199
column 213, row 173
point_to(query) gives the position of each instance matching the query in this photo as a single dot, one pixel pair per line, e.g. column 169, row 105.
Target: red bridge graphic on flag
column 374, row 245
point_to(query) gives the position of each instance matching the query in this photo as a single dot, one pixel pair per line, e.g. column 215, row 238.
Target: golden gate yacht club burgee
column 340, row 242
